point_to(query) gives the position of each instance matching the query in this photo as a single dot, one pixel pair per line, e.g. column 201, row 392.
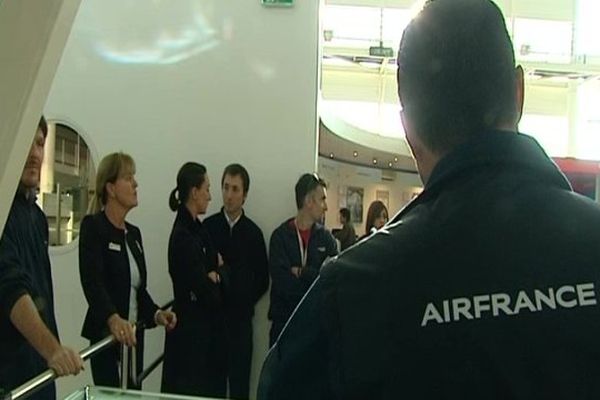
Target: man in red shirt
column 297, row 250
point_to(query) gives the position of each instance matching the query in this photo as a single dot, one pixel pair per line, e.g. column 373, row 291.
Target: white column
column 573, row 115
column 47, row 176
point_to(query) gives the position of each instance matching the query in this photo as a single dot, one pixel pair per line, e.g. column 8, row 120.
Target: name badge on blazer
column 321, row 249
column 114, row 246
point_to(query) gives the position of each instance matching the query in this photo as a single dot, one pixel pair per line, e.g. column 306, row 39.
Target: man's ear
column 410, row 135
column 309, row 199
column 519, row 92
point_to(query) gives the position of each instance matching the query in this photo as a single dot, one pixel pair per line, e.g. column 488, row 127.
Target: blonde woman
column 113, row 269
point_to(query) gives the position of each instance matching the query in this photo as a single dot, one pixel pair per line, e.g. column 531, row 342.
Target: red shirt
column 304, row 233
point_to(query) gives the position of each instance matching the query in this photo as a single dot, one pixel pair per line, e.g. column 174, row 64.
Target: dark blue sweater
column 24, row 269
column 284, row 253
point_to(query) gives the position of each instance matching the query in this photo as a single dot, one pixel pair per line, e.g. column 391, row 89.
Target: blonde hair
column 111, row 167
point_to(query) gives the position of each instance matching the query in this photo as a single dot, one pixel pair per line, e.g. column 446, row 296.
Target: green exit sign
column 278, row 3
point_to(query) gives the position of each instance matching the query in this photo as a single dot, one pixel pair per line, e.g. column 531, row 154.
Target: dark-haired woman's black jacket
column 195, row 352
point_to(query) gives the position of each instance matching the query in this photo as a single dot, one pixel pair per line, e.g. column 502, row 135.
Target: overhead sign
column 278, row 3
column 380, row 51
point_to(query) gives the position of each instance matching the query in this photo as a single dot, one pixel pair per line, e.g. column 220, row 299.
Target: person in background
column 297, row 250
column 346, row 235
column 195, row 360
column 377, row 216
column 241, row 244
column 113, row 272
column 29, row 341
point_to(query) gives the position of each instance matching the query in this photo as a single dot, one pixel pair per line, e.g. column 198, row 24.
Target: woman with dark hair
column 195, row 352
column 377, row 216
column 112, row 268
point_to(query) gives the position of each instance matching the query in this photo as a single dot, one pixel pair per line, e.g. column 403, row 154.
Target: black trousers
column 196, row 355
column 106, row 365
column 239, row 343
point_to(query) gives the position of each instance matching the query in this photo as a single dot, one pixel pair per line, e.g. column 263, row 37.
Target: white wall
column 338, row 174
column 203, row 80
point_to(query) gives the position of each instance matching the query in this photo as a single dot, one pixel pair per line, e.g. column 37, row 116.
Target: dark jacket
column 195, row 352
column 24, row 269
column 346, row 236
column 484, row 287
column 244, row 253
column 105, row 276
column 284, row 253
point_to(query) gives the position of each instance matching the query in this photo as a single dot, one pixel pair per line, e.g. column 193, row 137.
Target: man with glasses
column 485, row 286
column 28, row 335
column 297, row 250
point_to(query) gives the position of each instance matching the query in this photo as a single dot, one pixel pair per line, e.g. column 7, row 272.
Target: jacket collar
column 290, row 226
column 224, row 216
column 184, row 217
column 25, row 195
column 497, row 148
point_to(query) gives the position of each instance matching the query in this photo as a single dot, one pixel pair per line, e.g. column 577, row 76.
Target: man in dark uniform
column 297, row 250
column 28, row 336
column 243, row 254
column 486, row 285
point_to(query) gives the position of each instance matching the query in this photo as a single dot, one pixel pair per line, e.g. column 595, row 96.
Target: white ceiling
column 546, row 9
column 353, row 81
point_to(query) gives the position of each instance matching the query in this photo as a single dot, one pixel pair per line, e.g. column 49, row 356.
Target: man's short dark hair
column 344, row 212
column 43, row 126
column 306, row 184
column 456, row 71
column 237, row 170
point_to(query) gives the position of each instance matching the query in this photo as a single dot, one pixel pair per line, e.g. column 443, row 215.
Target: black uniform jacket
column 483, row 287
column 195, row 349
column 24, row 269
column 105, row 276
column 245, row 255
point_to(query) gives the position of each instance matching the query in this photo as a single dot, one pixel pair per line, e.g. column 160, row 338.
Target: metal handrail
column 138, row 379
column 49, row 375
column 38, row 382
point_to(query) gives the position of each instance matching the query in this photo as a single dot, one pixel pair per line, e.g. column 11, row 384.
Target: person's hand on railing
column 122, row 330
column 165, row 318
column 65, row 361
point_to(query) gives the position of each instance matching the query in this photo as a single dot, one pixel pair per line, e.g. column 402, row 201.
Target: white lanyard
column 303, row 251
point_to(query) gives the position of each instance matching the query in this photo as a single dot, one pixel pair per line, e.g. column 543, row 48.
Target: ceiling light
column 374, row 161
column 330, row 155
column 355, row 154
column 390, row 164
column 395, row 159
